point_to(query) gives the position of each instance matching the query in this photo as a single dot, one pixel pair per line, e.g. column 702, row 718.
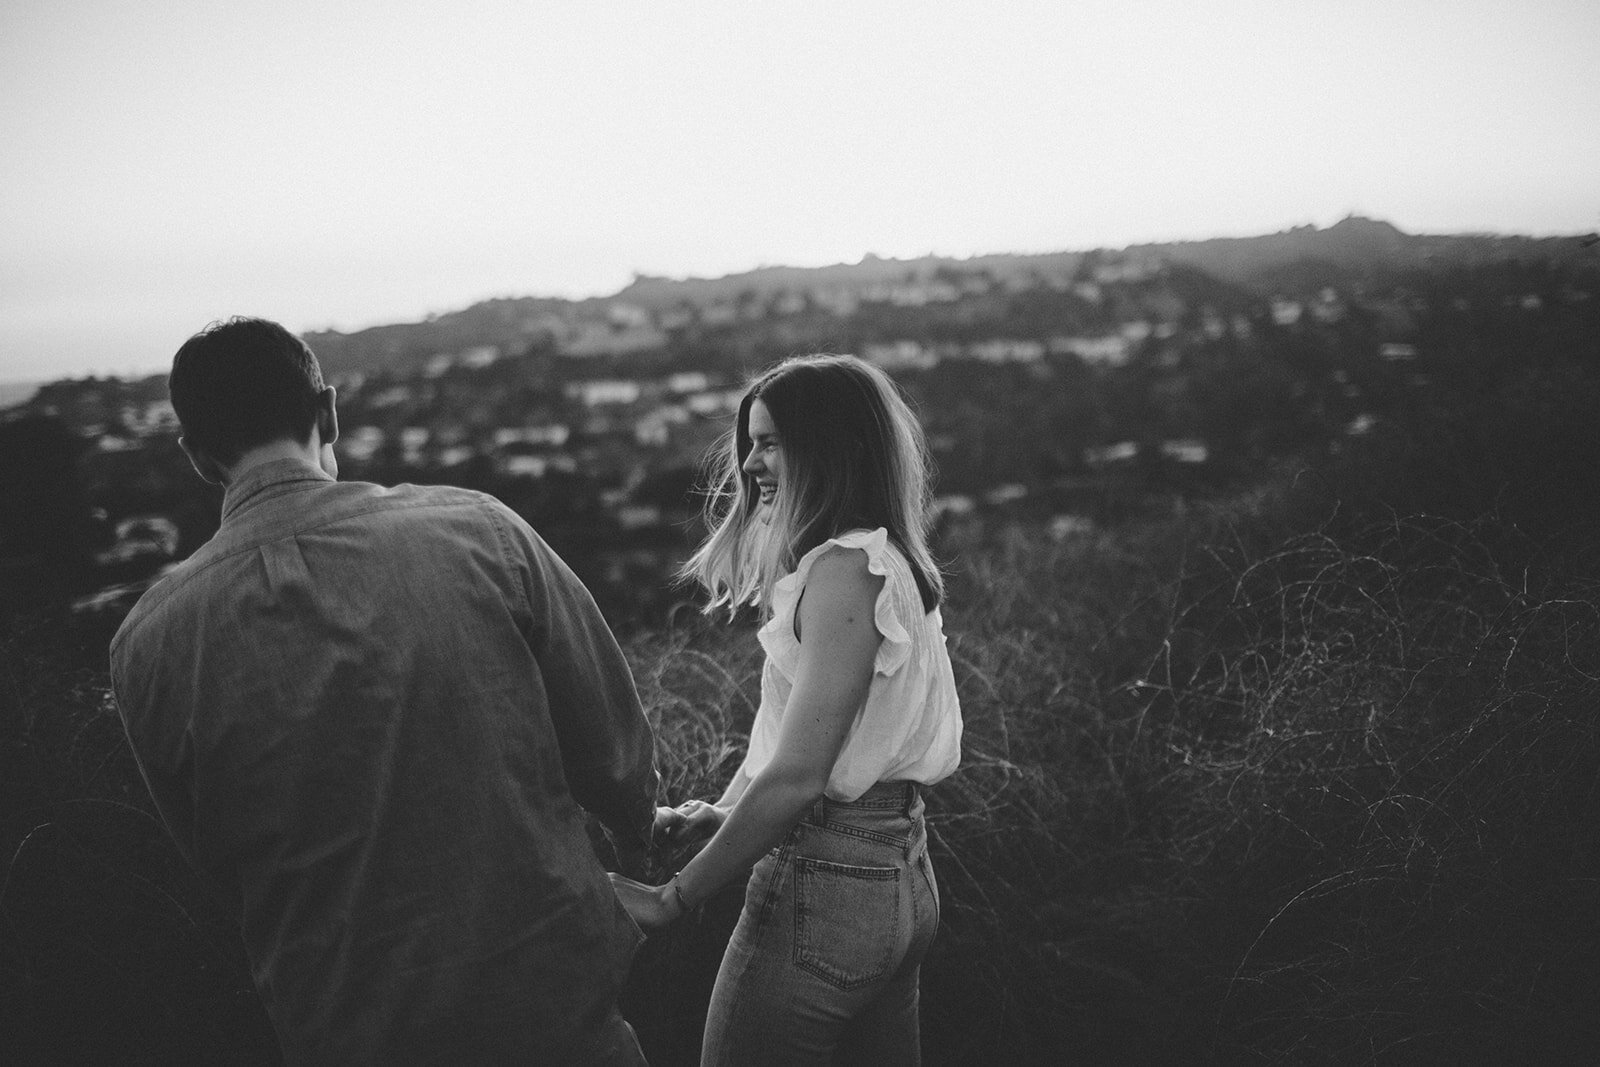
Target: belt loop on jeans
column 819, row 811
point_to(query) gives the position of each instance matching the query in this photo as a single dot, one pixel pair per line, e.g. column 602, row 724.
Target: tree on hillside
column 44, row 551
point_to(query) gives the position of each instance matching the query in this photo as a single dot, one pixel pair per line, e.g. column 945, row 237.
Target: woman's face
column 765, row 461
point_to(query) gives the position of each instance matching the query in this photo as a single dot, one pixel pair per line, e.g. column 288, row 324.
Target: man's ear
column 207, row 468
column 328, row 415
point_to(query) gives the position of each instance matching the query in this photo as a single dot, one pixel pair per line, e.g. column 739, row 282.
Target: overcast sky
column 343, row 164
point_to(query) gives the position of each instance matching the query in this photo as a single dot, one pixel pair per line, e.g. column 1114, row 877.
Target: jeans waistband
column 884, row 796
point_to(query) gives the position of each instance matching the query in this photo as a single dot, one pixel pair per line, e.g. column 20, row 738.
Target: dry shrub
column 1389, row 743
column 1230, row 793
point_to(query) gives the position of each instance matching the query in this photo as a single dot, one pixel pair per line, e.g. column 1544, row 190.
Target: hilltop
column 652, row 314
column 1358, row 247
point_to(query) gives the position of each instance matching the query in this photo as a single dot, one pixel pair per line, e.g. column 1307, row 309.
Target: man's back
column 371, row 710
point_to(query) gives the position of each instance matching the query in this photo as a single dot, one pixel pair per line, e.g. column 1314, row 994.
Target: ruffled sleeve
column 777, row 636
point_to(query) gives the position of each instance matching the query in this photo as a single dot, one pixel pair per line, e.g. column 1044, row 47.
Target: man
column 373, row 713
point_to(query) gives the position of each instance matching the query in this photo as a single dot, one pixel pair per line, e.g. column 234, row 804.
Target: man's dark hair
column 246, row 382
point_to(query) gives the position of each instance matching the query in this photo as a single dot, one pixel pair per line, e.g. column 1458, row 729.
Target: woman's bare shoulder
column 840, row 581
column 842, row 567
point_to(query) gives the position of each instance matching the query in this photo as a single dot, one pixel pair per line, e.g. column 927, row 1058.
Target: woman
column 820, row 517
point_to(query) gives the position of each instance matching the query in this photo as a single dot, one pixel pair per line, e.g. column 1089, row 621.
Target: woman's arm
column 730, row 796
column 695, row 820
column 839, row 640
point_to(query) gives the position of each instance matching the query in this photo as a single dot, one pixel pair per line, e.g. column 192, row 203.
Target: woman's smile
column 765, row 461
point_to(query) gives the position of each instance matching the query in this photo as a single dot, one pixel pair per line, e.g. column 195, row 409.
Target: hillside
column 652, row 313
column 1274, row 605
column 659, row 292
column 1361, row 247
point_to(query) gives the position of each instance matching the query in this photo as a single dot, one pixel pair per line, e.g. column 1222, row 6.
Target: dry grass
column 1237, row 795
column 1237, row 787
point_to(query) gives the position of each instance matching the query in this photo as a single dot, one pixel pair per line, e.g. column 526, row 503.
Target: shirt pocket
column 846, row 921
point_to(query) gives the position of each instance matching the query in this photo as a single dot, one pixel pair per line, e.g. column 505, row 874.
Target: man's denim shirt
column 371, row 711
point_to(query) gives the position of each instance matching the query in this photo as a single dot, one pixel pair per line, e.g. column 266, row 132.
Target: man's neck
column 309, row 453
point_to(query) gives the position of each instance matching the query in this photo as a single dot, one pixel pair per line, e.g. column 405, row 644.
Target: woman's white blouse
column 909, row 728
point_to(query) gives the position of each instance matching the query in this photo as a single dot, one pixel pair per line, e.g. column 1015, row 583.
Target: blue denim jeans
column 823, row 965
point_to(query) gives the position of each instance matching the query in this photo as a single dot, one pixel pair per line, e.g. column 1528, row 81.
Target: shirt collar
column 259, row 479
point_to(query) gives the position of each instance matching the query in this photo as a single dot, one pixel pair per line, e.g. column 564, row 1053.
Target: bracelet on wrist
column 677, row 894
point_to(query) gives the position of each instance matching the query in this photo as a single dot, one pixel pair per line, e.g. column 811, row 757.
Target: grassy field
column 1238, row 793
column 1293, row 777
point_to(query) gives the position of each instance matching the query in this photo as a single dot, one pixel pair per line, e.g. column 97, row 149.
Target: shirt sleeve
column 607, row 746
column 170, row 790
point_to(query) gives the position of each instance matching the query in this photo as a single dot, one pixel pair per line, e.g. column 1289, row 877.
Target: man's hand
column 651, row 906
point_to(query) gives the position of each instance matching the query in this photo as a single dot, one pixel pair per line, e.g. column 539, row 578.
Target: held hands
column 691, row 821
column 654, row 906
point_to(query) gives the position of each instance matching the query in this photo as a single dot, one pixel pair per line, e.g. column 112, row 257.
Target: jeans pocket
column 845, row 920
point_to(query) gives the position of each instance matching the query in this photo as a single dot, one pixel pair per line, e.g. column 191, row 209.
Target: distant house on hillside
column 601, row 391
column 1112, row 454
column 361, row 443
column 475, row 357
column 1006, row 350
column 1005, row 494
column 1130, row 269
column 654, row 430
column 688, row 382
column 627, row 316
column 1286, row 312
column 607, row 339
column 953, row 504
column 1111, row 350
column 393, row 396
column 715, row 402
column 1328, row 306
column 1185, row 450
column 898, row 355
column 525, row 465
column 914, row 294
column 553, row 435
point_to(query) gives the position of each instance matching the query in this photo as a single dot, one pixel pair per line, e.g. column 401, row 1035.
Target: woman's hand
column 651, row 906
column 691, row 821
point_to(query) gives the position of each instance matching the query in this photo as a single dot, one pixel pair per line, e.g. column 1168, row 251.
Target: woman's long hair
column 854, row 457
